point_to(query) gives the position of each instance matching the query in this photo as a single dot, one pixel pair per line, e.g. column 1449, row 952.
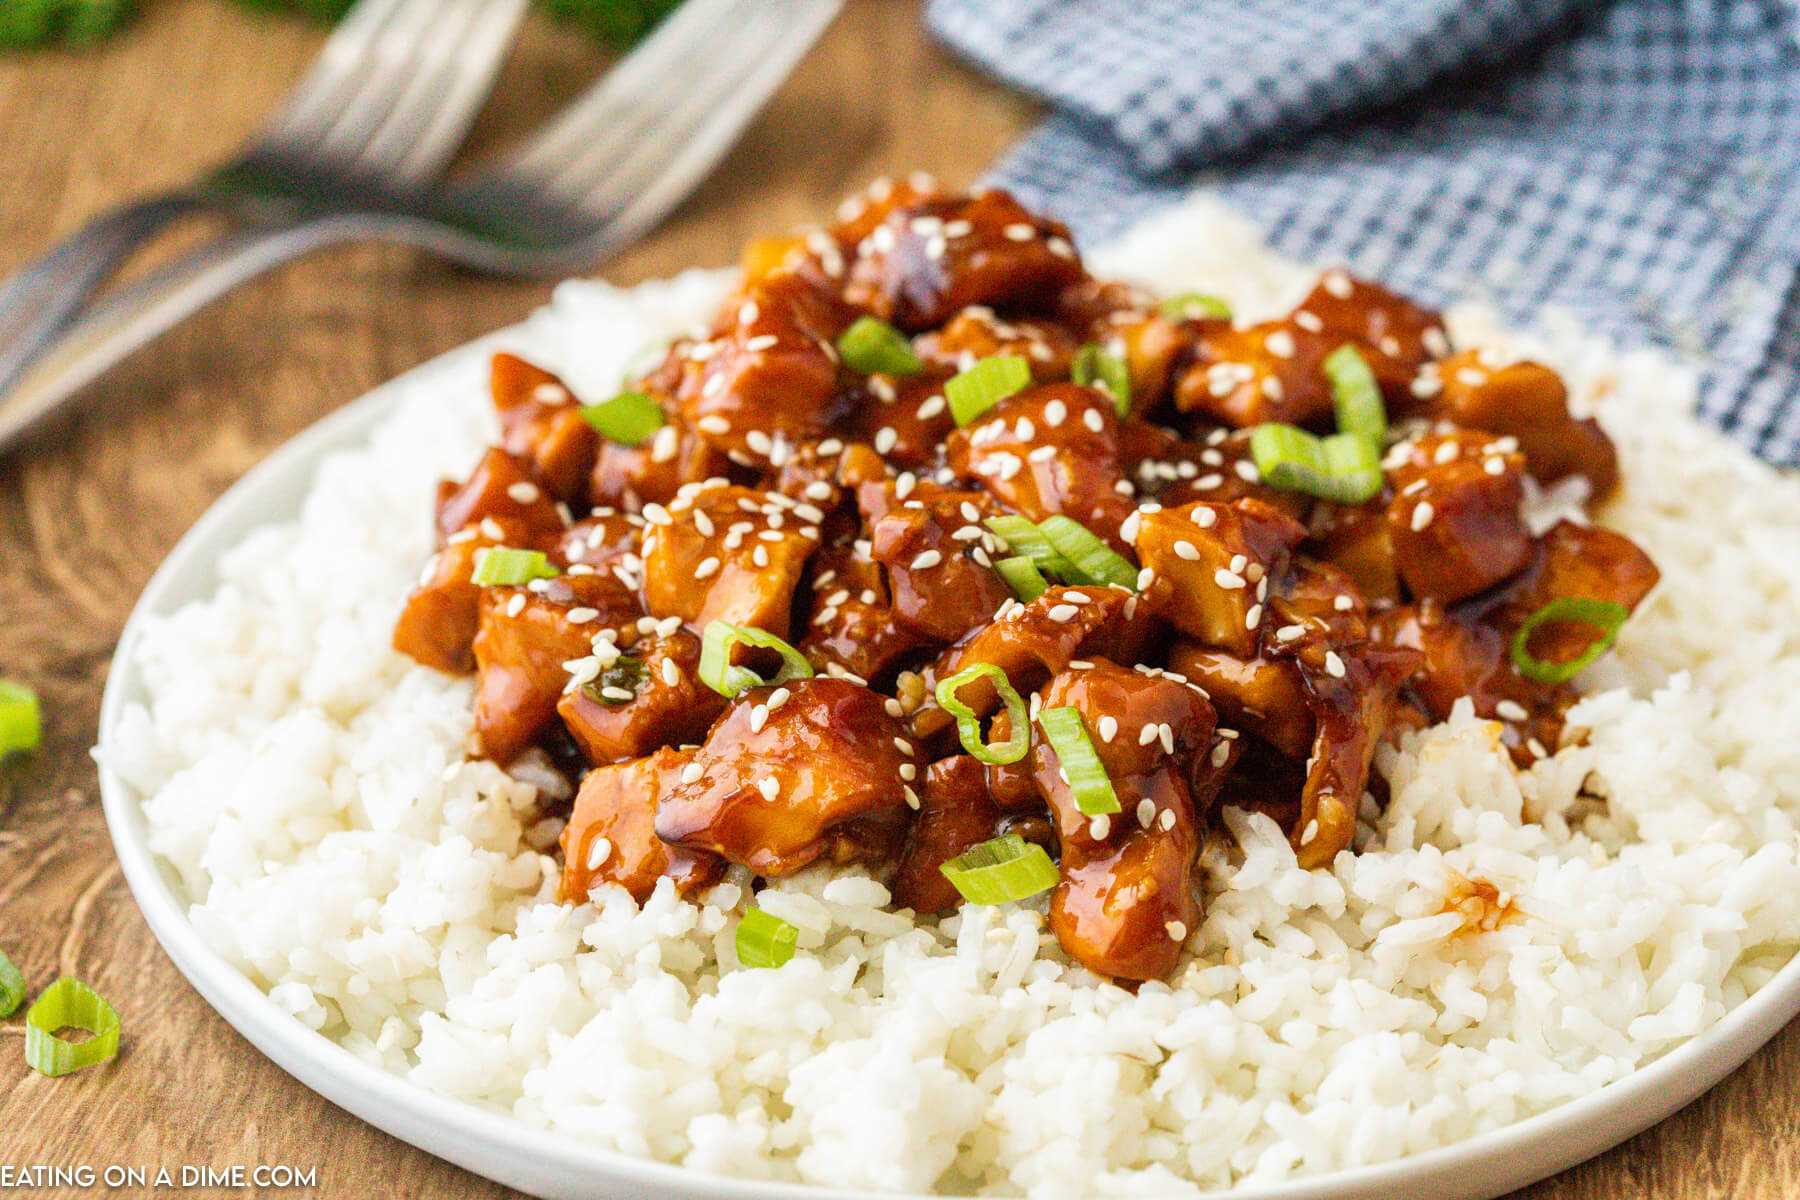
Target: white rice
column 309, row 786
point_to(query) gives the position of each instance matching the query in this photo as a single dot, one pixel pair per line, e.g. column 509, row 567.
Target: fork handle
column 42, row 298
column 132, row 315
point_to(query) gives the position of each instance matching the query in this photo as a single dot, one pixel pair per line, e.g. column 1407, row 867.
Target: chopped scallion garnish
column 984, row 385
column 872, row 346
column 725, row 677
column 1001, row 870
column 1355, row 395
column 503, row 566
column 968, row 725
column 1067, row 734
column 1605, row 616
column 69, row 1004
column 628, row 418
column 21, row 722
column 765, row 940
column 1023, row 577
column 1094, row 561
column 1094, row 367
column 1344, row 467
column 12, row 986
column 1027, row 540
column 1193, row 305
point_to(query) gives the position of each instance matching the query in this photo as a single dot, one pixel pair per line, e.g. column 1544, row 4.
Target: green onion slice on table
column 21, row 721
column 65, row 1004
column 984, row 385
column 1023, row 577
column 628, row 418
column 718, row 672
column 1001, row 870
column 765, row 940
column 1604, row 616
column 12, row 986
column 1345, row 467
column 1094, row 561
column 503, row 566
column 1355, row 396
column 1094, row 367
column 872, row 346
column 1191, row 305
column 1067, row 734
column 968, row 725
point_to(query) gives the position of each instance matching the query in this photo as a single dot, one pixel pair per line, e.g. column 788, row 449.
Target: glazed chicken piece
column 437, row 626
column 604, row 539
column 768, row 381
column 727, row 554
column 654, row 471
column 1048, row 450
column 1128, row 896
column 1359, row 540
column 1261, row 695
column 935, row 551
column 976, row 333
column 1210, row 565
column 956, row 813
column 1456, row 523
column 906, row 418
column 1156, row 351
column 500, row 487
column 852, row 625
column 526, row 636
column 617, row 806
column 1271, row 371
column 1396, row 336
column 541, row 423
column 1526, row 401
column 808, row 769
column 1573, row 560
column 933, row 257
column 666, row 703
column 1172, row 471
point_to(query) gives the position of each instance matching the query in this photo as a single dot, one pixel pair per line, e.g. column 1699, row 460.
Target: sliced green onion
column 725, row 677
column 21, row 722
column 502, row 566
column 1023, row 577
column 627, row 418
column 69, row 1004
column 1344, row 467
column 1094, row 367
column 1604, row 615
column 871, row 345
column 765, row 940
column 12, row 986
column 1355, row 395
column 968, row 725
column 1094, row 560
column 1067, row 734
column 984, row 385
column 623, row 675
column 1026, row 539
column 1001, row 870
column 1189, row 305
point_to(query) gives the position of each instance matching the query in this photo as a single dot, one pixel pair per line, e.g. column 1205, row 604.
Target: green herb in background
column 38, row 22
column 74, row 22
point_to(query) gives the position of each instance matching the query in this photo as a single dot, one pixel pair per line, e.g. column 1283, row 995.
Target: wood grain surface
column 86, row 515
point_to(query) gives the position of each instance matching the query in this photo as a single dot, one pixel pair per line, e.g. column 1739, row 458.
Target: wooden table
column 85, row 518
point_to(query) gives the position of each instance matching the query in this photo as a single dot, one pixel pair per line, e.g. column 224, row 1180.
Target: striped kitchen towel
column 1635, row 161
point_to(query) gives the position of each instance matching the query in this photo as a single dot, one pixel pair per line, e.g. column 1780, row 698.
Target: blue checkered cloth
column 1638, row 162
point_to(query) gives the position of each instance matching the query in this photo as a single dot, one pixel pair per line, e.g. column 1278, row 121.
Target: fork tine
column 342, row 63
column 415, row 137
column 604, row 180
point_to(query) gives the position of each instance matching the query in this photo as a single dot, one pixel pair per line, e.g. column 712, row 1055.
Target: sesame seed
column 761, row 341
column 1436, row 344
column 1308, row 321
column 1188, row 551
column 926, row 560
column 1537, row 748
column 912, row 797
column 1205, row 518
column 1471, row 376
column 903, row 746
column 1147, row 734
column 671, row 673
column 1228, row 580
column 1108, row 727
column 598, row 853
column 1280, row 344
column 1253, row 618
column 893, row 708
column 1093, row 420
column 1288, row 633
column 1446, row 452
column 692, row 773
column 1019, row 232
column 706, row 568
column 656, row 514
column 1246, row 470
column 1334, row 666
column 516, row 605
column 1310, row 832
column 1421, row 516
column 616, row 693
column 1220, row 753
column 885, row 439
column 1177, row 931
column 759, row 442
column 1511, row 710
column 1146, row 812
column 1099, row 827
column 1167, row 820
column 768, row 787
column 1494, row 466
column 1337, row 283
column 909, row 772
column 1166, row 732
column 760, row 556
column 524, row 492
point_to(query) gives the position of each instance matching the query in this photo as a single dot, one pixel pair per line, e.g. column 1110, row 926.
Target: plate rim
column 500, row 1147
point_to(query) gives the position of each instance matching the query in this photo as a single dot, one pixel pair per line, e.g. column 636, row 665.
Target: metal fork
column 383, row 108
column 596, row 178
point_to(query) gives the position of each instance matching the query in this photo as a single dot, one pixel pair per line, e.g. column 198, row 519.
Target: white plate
column 543, row 1164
